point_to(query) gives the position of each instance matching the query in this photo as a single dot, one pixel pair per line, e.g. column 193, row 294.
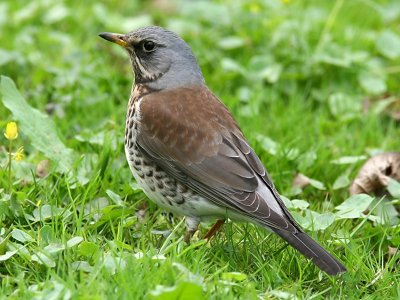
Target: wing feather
column 192, row 136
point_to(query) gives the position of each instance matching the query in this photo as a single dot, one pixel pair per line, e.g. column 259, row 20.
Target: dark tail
column 312, row 250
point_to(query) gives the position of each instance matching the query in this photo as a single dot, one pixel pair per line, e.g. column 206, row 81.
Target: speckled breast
column 157, row 184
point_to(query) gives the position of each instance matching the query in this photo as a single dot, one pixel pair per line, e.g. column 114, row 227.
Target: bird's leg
column 142, row 212
column 192, row 224
column 188, row 235
column 214, row 229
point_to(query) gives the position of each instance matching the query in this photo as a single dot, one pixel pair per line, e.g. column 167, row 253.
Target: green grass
column 296, row 72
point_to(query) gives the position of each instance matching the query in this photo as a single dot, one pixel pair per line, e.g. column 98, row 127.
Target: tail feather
column 312, row 250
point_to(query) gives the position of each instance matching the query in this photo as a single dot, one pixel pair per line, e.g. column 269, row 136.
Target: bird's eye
column 149, row 46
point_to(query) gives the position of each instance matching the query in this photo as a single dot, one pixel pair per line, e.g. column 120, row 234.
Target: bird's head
column 160, row 58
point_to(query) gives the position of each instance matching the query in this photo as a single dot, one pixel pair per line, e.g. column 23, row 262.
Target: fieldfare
column 187, row 152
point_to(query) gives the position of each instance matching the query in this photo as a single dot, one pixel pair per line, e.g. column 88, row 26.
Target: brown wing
column 194, row 138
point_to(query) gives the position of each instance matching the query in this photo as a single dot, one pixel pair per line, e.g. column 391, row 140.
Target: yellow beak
column 115, row 38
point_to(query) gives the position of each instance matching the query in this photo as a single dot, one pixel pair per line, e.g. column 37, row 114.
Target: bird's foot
column 192, row 223
column 188, row 235
column 142, row 212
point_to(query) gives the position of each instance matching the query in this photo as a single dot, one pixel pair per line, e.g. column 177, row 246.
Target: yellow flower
column 19, row 155
column 11, row 132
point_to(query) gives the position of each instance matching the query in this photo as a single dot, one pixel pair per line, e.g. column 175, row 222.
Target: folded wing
column 194, row 138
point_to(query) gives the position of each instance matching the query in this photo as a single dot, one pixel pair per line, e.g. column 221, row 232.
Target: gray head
column 160, row 58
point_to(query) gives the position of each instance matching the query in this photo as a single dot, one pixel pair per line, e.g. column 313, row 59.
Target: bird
column 187, row 152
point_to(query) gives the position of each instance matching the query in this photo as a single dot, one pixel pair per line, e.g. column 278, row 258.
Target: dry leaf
column 392, row 251
column 301, row 180
column 376, row 173
column 43, row 167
